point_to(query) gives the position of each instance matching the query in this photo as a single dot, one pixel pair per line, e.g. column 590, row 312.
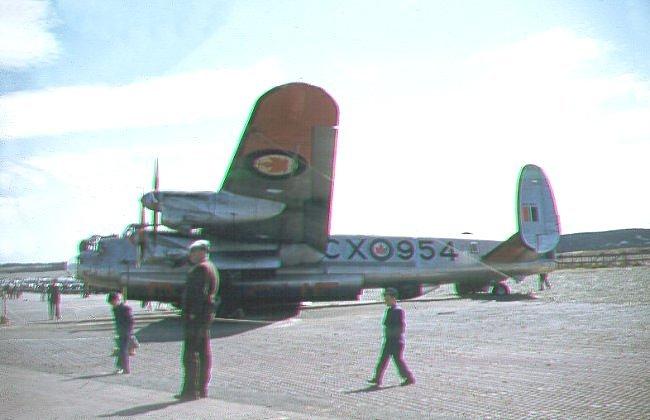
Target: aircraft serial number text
column 381, row 249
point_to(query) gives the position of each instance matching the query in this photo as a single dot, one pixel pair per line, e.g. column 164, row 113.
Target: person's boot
column 374, row 381
column 408, row 381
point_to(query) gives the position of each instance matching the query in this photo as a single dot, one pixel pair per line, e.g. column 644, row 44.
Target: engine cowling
column 187, row 210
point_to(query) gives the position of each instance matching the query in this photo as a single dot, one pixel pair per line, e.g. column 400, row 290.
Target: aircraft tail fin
column 286, row 155
column 537, row 219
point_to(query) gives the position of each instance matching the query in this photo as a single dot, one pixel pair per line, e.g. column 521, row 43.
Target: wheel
column 501, row 289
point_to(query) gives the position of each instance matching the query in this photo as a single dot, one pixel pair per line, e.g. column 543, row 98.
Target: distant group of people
column 11, row 291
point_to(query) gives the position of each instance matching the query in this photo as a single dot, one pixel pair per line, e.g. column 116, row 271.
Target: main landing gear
column 501, row 289
column 498, row 289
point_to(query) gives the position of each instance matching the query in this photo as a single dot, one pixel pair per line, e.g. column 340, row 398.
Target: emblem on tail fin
column 276, row 164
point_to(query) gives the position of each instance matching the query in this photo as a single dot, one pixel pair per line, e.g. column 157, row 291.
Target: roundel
column 276, row 163
column 381, row 249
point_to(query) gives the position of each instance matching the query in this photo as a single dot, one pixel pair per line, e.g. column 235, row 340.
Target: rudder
column 537, row 218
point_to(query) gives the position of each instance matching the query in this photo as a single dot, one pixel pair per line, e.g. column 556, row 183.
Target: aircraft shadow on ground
column 167, row 330
column 142, row 409
column 171, row 329
column 95, row 329
column 512, row 297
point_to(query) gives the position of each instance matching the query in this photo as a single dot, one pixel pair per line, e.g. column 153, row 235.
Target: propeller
column 141, row 235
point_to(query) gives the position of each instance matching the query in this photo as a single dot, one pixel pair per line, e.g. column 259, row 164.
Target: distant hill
column 32, row 268
column 611, row 239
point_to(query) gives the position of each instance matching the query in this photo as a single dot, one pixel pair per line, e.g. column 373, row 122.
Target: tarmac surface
column 579, row 350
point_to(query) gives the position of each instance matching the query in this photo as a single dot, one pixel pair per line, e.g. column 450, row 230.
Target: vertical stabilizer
column 539, row 225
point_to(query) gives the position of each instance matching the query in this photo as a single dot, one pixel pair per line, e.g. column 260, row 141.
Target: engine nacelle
column 313, row 288
column 188, row 210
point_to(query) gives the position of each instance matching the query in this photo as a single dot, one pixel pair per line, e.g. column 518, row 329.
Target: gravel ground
column 578, row 350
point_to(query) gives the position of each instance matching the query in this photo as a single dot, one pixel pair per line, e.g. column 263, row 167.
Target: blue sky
column 441, row 104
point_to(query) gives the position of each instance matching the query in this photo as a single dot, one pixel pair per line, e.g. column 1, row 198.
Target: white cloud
column 444, row 145
column 64, row 197
column 25, row 39
column 425, row 148
column 178, row 99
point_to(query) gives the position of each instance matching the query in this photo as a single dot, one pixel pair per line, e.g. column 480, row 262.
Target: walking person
column 543, row 281
column 123, row 329
column 198, row 308
column 393, row 346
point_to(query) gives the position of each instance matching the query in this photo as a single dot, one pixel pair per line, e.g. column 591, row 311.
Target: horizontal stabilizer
column 510, row 251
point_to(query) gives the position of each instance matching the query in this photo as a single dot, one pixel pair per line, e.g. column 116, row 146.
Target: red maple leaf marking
column 380, row 249
column 277, row 165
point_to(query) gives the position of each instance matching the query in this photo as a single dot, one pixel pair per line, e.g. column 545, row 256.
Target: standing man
column 50, row 304
column 198, row 311
column 56, row 298
column 394, row 326
column 124, row 330
column 54, row 301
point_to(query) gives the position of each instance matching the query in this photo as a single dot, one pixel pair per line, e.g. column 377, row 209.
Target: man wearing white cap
column 198, row 311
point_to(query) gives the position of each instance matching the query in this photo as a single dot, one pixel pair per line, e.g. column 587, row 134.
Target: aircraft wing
column 286, row 155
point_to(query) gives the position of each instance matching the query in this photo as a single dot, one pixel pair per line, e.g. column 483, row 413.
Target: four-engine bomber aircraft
column 269, row 227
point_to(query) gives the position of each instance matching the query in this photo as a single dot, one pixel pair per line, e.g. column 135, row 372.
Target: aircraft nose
column 150, row 200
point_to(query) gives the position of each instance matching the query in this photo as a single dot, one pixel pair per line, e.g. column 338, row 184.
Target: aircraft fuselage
column 351, row 264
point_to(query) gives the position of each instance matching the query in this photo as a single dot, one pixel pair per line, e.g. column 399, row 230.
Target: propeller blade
column 142, row 215
column 141, row 236
column 156, row 186
column 156, row 179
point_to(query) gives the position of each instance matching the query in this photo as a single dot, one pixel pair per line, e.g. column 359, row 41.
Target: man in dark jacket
column 54, row 301
column 123, row 329
column 198, row 311
column 394, row 326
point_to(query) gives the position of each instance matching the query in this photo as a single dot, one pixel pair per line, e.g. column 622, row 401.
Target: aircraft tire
column 501, row 289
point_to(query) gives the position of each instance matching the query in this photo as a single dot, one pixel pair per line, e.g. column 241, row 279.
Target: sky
column 441, row 104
